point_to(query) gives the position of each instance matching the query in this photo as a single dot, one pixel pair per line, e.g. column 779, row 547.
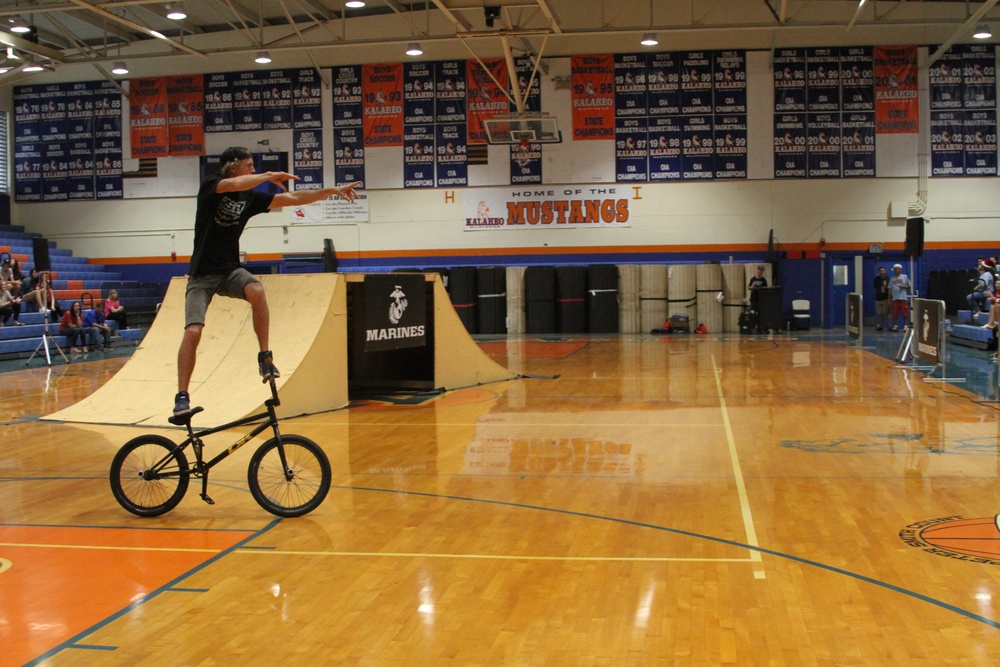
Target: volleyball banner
column 382, row 104
column 485, row 98
column 823, row 141
column 592, row 85
column 896, row 107
column 148, row 117
column 185, row 118
column 562, row 207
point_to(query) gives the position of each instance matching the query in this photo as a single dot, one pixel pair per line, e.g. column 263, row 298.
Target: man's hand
column 347, row 192
column 279, row 178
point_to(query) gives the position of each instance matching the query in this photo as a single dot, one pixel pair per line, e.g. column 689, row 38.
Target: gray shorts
column 882, row 307
column 201, row 289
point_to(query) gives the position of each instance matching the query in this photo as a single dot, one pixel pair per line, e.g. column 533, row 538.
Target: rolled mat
column 515, row 299
column 652, row 296
column 709, row 277
column 734, row 288
column 628, row 299
column 682, row 292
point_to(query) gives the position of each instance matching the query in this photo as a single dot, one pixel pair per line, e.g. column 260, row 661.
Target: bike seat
column 184, row 418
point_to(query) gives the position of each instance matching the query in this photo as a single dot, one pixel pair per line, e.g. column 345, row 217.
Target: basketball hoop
column 524, row 144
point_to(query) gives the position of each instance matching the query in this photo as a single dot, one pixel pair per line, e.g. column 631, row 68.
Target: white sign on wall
column 553, row 207
column 333, row 210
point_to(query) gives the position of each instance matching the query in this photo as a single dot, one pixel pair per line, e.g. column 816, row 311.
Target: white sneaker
column 43, row 311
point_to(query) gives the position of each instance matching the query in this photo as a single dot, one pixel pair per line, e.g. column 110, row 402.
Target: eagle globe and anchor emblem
column 398, row 306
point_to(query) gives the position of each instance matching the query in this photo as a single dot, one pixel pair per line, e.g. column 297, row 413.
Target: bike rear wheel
column 292, row 487
column 149, row 475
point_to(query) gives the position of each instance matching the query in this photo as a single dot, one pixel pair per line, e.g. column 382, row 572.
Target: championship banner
column 382, row 104
column 857, row 79
column 730, row 72
column 418, row 94
column 307, row 105
column 666, row 136
column 395, row 311
column 823, row 140
column 946, row 80
column 630, row 85
column 348, row 155
column 80, row 170
column 524, row 68
column 53, row 112
column 980, row 132
column 663, row 84
column 896, row 108
column 823, row 80
column 248, row 105
column 449, row 80
column 27, row 115
column 108, row 179
column 854, row 315
column 276, row 99
column 109, row 182
column 347, row 108
column 418, row 155
column 697, row 152
column 55, row 172
column 307, row 159
column 592, row 84
column 148, row 120
column 979, row 76
column 27, row 172
column 631, row 151
column 858, row 144
column 452, row 163
column 789, row 80
column 790, row 146
column 218, row 103
column 525, row 163
column 563, row 207
column 185, row 119
column 730, row 147
column 928, row 323
column 947, row 143
column 485, row 99
column 80, row 111
column 696, row 83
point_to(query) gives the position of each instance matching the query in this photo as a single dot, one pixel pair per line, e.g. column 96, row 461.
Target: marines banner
column 395, row 311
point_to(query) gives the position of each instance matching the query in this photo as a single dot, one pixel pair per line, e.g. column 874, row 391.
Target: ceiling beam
column 136, row 26
column 25, row 46
column 454, row 17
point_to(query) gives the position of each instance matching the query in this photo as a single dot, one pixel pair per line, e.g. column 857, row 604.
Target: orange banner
column 593, row 87
column 148, row 121
column 382, row 104
column 485, row 98
column 185, row 114
column 896, row 108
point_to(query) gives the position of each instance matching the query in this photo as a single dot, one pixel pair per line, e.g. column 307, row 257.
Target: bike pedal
column 207, row 499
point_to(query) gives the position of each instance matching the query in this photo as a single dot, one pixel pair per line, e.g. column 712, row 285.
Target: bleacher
column 967, row 330
column 73, row 279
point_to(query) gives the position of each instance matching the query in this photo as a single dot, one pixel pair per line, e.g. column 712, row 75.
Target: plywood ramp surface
column 308, row 335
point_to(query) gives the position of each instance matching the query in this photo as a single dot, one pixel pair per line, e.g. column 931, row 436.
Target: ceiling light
column 262, row 57
column 649, row 39
column 32, row 68
column 19, row 25
column 354, row 4
column 175, row 13
column 119, row 67
column 983, row 31
column 413, row 49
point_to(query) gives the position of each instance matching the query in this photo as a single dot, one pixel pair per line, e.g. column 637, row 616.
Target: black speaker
column 329, row 257
column 914, row 237
column 40, row 252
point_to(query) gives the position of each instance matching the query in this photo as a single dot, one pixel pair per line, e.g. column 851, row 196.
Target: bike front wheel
column 149, row 475
column 290, row 477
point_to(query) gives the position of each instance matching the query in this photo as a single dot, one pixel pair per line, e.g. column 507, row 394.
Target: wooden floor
column 663, row 501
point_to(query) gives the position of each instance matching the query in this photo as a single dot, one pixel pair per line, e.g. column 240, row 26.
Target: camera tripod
column 47, row 338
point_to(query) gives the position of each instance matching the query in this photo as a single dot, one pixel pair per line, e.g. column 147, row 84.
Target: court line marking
column 40, row 545
column 741, row 487
column 596, row 559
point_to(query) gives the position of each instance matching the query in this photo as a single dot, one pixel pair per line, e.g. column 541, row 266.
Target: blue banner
column 108, row 170
column 823, row 140
column 790, row 145
column 823, row 76
column 858, row 144
column 947, row 143
column 307, row 159
column 857, row 79
column 452, row 163
column 631, row 151
column 630, row 85
column 248, row 107
column 663, row 84
column 219, row 103
column 53, row 120
column 347, row 105
column 27, row 115
column 349, row 155
column 80, row 169
column 696, row 82
column 55, row 172
column 418, row 156
column 450, row 103
column 418, row 93
column 730, row 72
column 980, row 143
column 307, row 105
column 80, row 111
column 730, row 147
column 27, row 172
column 525, row 68
column 666, row 139
column 946, row 80
column 979, row 79
column 698, row 154
column 276, row 99
column 525, row 163
column 789, row 80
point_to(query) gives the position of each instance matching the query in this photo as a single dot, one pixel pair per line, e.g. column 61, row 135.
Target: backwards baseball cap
column 897, row 266
column 234, row 154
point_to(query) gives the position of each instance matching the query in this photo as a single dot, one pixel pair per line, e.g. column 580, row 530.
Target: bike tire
column 302, row 488
column 134, row 484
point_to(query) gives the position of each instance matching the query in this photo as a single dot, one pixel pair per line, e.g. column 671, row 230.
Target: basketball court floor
column 638, row 500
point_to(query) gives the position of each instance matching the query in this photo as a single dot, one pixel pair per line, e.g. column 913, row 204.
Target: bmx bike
column 288, row 475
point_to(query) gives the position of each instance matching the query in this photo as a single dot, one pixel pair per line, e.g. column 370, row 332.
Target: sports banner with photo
column 896, row 107
column 307, row 159
column 697, row 152
column 592, row 88
column 789, row 80
column 276, row 99
column 148, row 121
column 218, row 103
column 730, row 90
column 451, row 162
column 53, row 116
column 525, row 163
column 382, row 104
column 395, row 311
column 80, row 169
column 666, row 137
column 418, row 93
column 449, row 81
column 946, row 80
column 947, row 143
column 349, row 155
column 55, row 172
column 790, row 159
column 560, row 207
column 631, row 151
column 823, row 79
column 185, row 118
column 857, row 79
column 486, row 94
column 630, row 85
column 418, row 156
column 663, row 84
column 979, row 76
column 248, row 104
column 347, row 107
column 858, row 144
column 696, row 83
column 80, row 111
column 980, row 133
column 307, row 105
column 823, row 141
column 730, row 147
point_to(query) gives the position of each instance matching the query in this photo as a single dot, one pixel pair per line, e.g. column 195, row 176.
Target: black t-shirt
column 881, row 284
column 218, row 225
column 756, row 282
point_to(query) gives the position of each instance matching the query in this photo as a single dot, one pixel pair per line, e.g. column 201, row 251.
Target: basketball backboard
column 535, row 128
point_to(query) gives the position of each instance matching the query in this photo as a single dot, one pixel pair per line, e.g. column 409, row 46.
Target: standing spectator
column 71, row 326
column 9, row 304
column 900, row 290
column 93, row 322
column 882, row 305
column 114, row 310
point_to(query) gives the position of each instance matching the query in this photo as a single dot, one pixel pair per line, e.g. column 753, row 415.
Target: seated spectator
column 93, row 322
column 113, row 310
column 50, row 305
column 9, row 305
column 71, row 326
column 979, row 297
column 29, row 288
column 10, row 273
